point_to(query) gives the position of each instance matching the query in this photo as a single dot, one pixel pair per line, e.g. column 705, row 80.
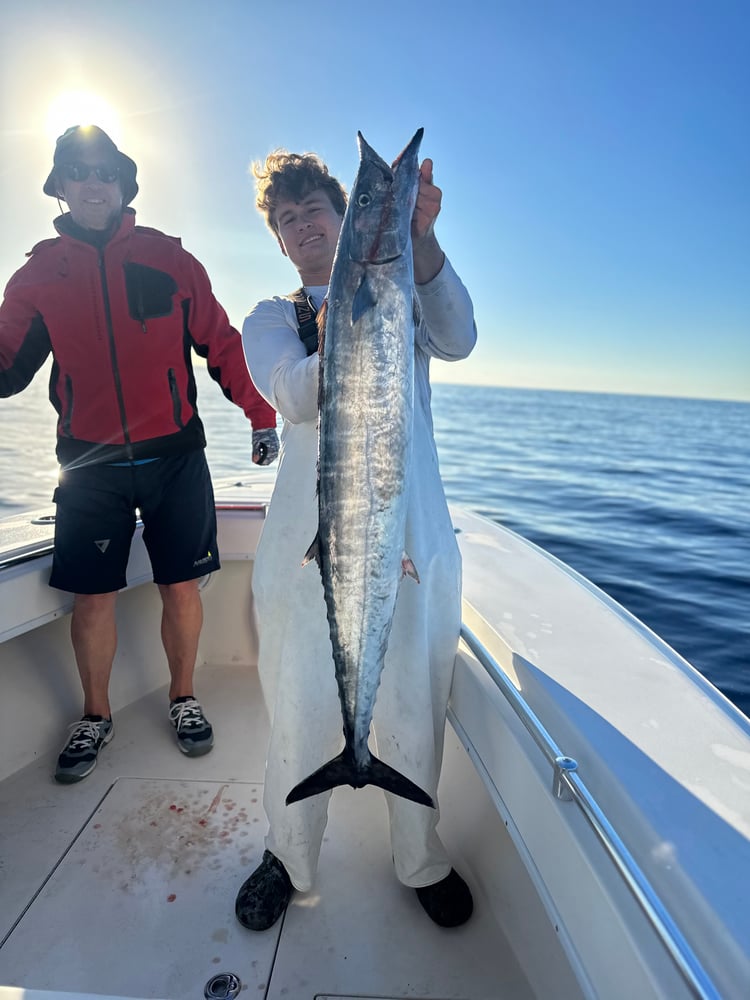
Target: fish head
column 381, row 205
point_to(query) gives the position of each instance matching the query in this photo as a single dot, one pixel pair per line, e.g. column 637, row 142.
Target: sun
column 81, row 107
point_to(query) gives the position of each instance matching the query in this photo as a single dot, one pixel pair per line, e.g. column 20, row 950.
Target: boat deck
column 124, row 884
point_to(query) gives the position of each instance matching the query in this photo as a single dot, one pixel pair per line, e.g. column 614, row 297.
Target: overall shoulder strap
column 306, row 325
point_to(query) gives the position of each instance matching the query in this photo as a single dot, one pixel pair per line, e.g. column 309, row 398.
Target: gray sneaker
column 194, row 733
column 78, row 756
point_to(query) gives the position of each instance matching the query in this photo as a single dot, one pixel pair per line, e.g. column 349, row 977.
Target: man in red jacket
column 121, row 308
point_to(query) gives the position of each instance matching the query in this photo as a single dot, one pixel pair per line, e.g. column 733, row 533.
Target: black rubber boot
column 265, row 895
column 447, row 902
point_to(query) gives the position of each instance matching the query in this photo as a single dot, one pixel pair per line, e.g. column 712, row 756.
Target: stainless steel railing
column 567, row 784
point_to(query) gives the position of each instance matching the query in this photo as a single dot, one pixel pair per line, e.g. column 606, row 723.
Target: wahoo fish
column 366, row 408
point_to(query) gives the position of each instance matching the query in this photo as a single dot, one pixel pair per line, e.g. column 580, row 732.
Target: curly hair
column 289, row 176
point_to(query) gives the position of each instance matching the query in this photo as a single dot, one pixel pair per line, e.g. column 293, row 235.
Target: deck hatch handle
column 224, row 986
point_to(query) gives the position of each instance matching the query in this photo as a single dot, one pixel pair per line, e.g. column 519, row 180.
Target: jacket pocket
column 150, row 292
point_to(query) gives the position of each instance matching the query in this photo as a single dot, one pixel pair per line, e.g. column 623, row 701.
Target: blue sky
column 594, row 157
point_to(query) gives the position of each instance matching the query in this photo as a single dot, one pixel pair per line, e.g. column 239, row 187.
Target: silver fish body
column 366, row 409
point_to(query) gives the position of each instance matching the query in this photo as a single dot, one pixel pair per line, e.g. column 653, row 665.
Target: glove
column 265, row 446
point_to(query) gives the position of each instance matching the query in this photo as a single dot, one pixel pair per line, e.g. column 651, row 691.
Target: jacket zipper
column 176, row 401
column 113, row 354
column 68, row 417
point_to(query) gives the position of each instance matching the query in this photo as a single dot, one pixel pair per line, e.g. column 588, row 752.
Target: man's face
column 308, row 234
column 93, row 202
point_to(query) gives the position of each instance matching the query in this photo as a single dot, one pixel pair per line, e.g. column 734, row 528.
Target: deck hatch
column 155, row 870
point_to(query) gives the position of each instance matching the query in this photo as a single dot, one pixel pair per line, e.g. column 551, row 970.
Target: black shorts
column 96, row 518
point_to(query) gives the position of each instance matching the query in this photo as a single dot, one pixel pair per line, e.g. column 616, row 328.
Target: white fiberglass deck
column 124, row 884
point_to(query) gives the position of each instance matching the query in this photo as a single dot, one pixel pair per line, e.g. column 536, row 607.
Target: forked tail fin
column 343, row 771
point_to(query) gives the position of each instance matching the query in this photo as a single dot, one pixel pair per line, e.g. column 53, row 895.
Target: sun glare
column 81, row 107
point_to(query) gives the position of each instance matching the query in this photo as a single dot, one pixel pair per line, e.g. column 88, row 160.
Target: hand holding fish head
column 428, row 257
column 427, row 207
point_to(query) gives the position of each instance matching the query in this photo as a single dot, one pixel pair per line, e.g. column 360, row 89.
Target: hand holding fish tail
column 428, row 256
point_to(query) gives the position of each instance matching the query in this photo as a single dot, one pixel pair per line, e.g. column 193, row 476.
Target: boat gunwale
column 568, row 785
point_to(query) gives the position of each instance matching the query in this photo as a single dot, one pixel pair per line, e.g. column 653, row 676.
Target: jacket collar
column 70, row 230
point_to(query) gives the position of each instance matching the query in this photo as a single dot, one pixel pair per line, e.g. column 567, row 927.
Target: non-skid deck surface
column 141, row 903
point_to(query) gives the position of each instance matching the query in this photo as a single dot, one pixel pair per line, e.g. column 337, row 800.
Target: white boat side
column 620, row 877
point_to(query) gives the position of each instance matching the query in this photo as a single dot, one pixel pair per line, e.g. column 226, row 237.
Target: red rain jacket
column 120, row 323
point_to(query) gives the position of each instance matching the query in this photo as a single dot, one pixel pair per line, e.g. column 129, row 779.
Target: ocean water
column 648, row 497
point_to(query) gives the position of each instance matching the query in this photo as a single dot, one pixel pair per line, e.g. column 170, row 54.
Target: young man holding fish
column 301, row 658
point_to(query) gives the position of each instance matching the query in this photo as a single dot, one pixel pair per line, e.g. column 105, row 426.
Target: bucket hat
column 80, row 138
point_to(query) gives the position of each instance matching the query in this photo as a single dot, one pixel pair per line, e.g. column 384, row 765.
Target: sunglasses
column 82, row 171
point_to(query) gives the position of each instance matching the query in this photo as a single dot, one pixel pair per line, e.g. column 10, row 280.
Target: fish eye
column 363, row 200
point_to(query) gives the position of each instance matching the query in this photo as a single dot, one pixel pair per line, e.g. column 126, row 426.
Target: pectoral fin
column 363, row 300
